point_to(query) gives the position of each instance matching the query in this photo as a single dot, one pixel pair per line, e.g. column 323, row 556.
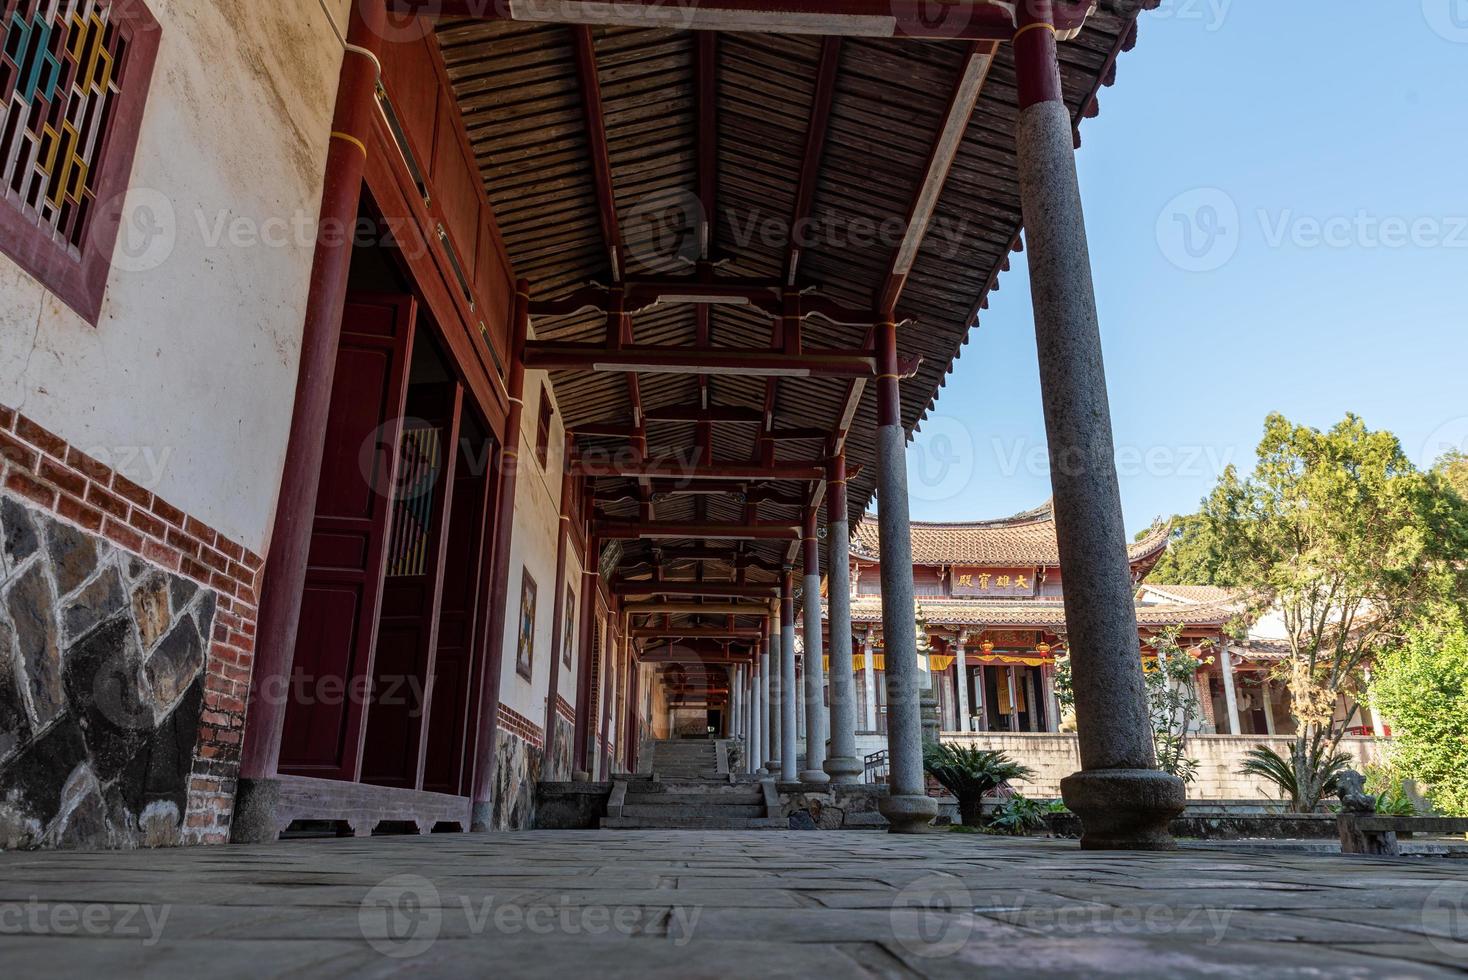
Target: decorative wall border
column 43, row 468
column 523, row 728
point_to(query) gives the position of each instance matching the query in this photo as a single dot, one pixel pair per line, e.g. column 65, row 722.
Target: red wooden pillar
column 285, row 571
column 504, row 532
column 558, row 619
column 584, row 694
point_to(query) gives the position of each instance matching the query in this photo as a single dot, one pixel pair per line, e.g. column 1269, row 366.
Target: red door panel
column 333, row 656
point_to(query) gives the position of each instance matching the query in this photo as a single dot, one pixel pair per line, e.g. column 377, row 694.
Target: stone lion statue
column 1351, row 788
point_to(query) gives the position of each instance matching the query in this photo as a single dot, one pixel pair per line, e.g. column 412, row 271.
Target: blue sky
column 1278, row 215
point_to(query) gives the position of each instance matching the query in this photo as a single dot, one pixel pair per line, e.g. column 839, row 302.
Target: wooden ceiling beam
column 654, row 530
column 916, row 20
column 644, row 294
column 551, row 356
column 815, row 149
column 596, row 144
column 713, row 590
column 681, row 471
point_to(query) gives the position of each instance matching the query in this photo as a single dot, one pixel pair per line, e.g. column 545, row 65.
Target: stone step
column 693, row 811
column 665, row 821
column 737, row 796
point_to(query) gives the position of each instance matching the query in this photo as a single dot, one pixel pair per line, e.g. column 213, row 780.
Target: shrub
column 1317, row 769
column 970, row 774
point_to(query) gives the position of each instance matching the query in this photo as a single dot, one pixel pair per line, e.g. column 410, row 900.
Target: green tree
column 1338, row 535
column 1422, row 689
column 1452, row 469
column 1192, row 556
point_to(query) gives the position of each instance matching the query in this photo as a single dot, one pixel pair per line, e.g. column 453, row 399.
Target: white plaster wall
column 186, row 384
column 1053, row 757
column 533, row 547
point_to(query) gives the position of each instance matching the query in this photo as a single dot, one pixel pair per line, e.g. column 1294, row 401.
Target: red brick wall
column 517, row 724
column 43, row 468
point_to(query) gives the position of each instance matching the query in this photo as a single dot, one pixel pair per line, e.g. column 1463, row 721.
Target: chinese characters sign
column 994, row 583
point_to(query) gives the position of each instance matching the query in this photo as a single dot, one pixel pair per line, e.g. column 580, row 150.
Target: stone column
column 1032, row 705
column 1268, row 708
column 1052, row 706
column 1230, row 695
column 769, row 736
column 960, row 668
column 815, row 666
column 789, row 693
column 843, row 766
column 295, row 515
column 1122, row 799
column 869, row 680
column 1378, row 730
column 1013, row 699
column 908, row 808
column 981, row 697
column 775, row 703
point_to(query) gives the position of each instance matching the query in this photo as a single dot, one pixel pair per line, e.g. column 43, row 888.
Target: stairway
column 688, row 758
column 690, row 788
column 651, row 803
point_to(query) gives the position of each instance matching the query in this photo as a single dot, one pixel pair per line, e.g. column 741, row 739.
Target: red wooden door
column 461, row 609
column 333, row 656
column 403, row 664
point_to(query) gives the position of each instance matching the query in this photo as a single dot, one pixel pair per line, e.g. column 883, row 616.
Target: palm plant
column 1295, row 776
column 971, row 773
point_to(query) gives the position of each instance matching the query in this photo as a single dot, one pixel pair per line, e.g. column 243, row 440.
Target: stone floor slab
column 709, row 904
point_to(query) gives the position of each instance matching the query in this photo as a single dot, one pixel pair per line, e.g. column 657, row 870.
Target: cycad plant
column 1321, row 770
column 970, row 773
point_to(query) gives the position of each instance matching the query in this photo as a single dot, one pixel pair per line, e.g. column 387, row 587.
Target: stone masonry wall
column 519, row 766
column 126, row 641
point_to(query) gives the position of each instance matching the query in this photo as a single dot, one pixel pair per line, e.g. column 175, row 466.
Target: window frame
column 80, row 280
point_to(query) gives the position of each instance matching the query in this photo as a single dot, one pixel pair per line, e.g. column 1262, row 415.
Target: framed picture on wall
column 569, row 638
column 525, row 650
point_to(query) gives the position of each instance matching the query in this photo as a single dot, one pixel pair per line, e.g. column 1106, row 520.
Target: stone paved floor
column 695, row 904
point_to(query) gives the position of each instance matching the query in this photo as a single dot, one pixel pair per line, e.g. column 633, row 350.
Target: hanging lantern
column 987, row 646
column 1043, row 649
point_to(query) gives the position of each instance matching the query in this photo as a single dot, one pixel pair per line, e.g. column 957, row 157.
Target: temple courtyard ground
column 693, row 904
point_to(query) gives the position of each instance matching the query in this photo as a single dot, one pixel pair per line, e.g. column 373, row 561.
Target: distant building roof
column 1039, row 614
column 1025, row 539
column 1151, row 594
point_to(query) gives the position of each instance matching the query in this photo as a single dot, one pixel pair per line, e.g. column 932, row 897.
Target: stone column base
column 817, row 776
column 1125, row 809
column 481, row 817
column 845, row 771
column 909, row 814
column 255, row 820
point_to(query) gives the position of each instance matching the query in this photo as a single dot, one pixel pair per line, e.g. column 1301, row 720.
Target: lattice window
column 73, row 75
column 419, row 462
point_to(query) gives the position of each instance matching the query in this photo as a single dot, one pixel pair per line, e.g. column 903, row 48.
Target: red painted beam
column 693, row 633
column 596, row 143
column 615, row 531
column 715, row 590
column 550, row 356
column 815, row 145
column 812, row 472
column 984, row 20
column 643, row 294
